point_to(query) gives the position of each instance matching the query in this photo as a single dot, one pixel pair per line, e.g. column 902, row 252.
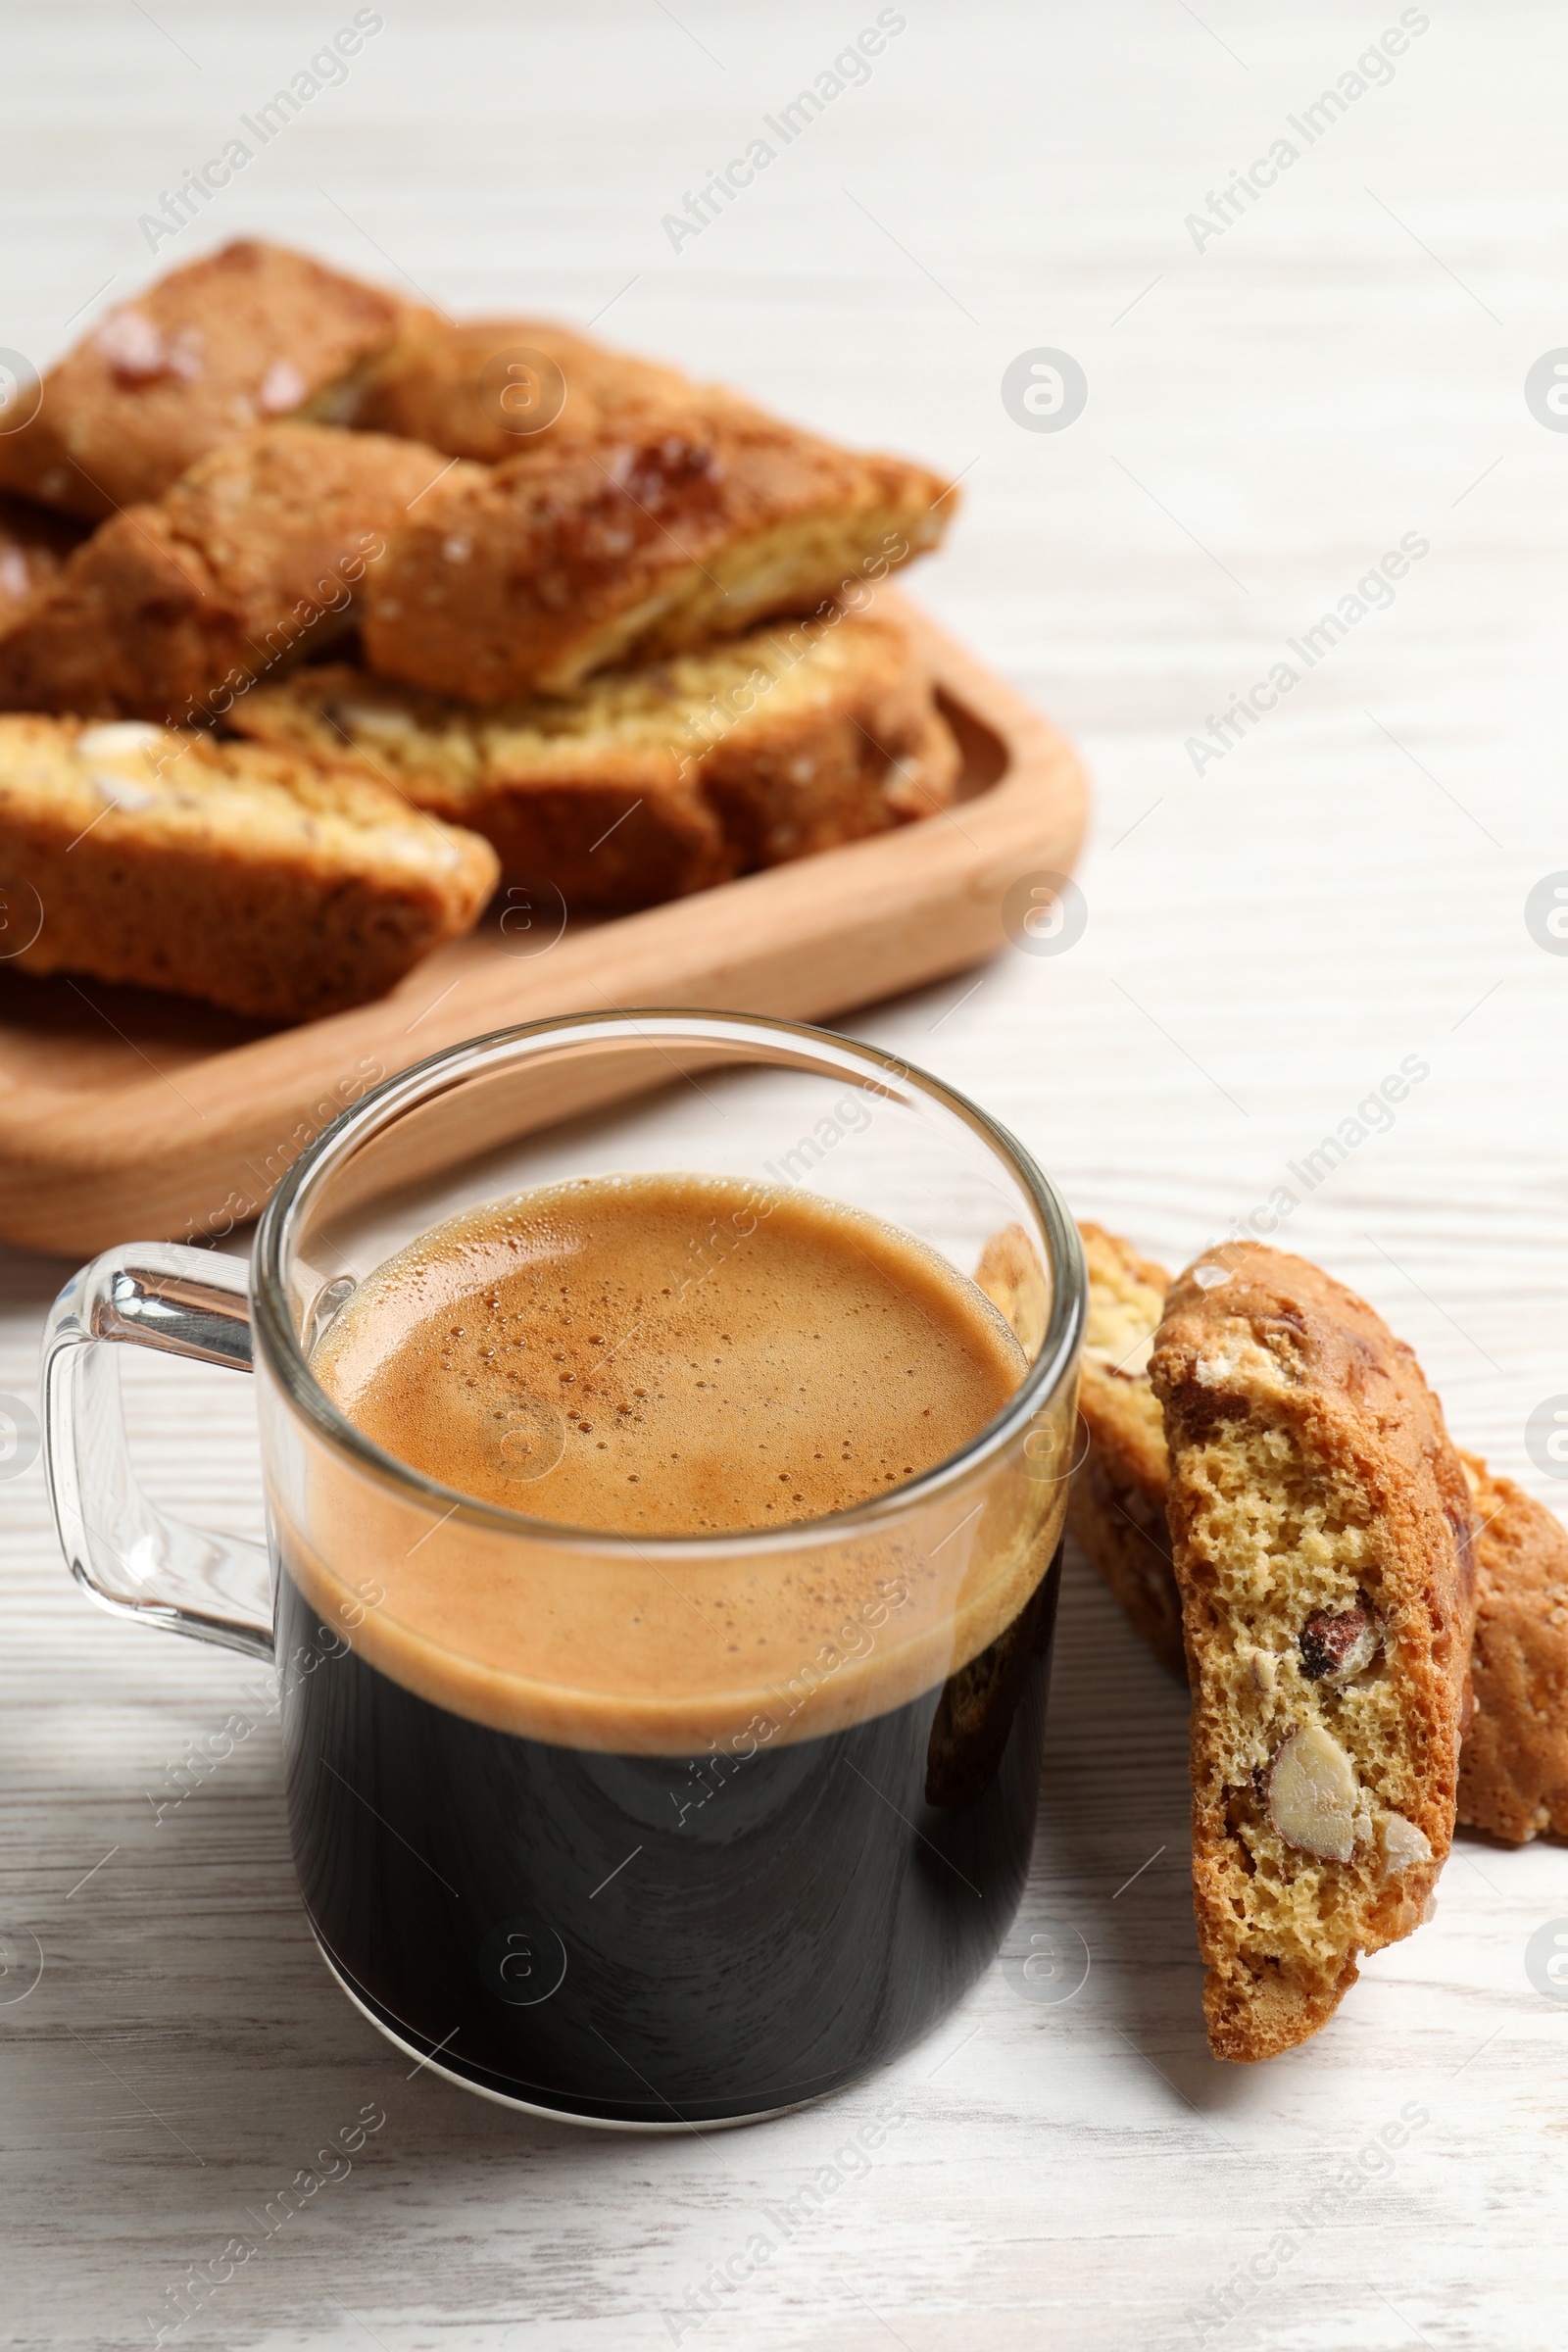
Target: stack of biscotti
column 630, row 633
column 1269, row 1491
column 618, row 623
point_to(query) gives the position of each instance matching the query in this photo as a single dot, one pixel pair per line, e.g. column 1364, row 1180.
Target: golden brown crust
column 275, row 886
column 477, row 389
column 647, row 538
column 1117, row 1507
column 238, row 337
column 874, row 755
column 1312, row 1479
column 35, row 544
column 1514, row 1771
column 252, row 558
column 652, row 782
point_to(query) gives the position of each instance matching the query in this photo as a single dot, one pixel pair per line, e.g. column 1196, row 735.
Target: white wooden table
column 1270, row 409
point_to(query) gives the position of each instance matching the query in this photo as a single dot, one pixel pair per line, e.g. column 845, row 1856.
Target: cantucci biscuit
column 647, row 783
column 255, row 556
column 1116, row 1505
column 274, row 885
column 651, row 536
column 1513, row 1765
column 1321, row 1531
column 233, row 340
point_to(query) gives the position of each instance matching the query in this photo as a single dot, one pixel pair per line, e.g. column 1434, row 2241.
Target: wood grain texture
column 1265, row 942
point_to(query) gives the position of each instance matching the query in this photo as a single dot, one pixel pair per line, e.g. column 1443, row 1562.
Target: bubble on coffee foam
column 532, row 1439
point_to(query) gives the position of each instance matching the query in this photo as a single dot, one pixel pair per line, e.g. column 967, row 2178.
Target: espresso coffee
column 675, row 1836
column 592, row 1354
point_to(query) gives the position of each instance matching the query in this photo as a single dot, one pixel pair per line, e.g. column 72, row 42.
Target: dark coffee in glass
column 661, row 1566
column 660, row 1940
column 695, row 1904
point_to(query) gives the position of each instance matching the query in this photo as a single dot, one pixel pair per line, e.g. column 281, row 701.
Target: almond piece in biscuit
column 496, row 388
column 648, row 538
column 255, row 556
column 1312, row 1479
column 276, row 886
column 236, row 339
column 648, row 783
column 34, row 543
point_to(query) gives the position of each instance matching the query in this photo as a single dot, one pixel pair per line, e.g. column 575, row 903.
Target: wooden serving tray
column 124, row 1114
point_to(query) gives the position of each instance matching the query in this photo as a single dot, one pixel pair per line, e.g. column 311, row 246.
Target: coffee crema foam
column 670, row 1356
column 666, row 1358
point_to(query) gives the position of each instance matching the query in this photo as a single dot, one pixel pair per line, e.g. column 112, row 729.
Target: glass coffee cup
column 554, row 1835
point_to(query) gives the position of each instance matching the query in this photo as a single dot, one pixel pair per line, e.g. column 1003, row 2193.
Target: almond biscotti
column 274, row 885
column 233, row 340
column 648, row 538
column 35, row 544
column 1513, row 1765
column 256, row 555
column 1116, row 1505
column 1321, row 1531
column 1513, row 1769
column 648, row 783
column 493, row 388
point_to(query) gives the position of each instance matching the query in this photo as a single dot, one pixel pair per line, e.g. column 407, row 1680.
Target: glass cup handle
column 135, row 1559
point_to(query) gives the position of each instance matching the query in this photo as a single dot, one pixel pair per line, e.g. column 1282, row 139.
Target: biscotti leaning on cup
column 272, row 885
column 1321, row 1531
column 647, row 783
column 1116, row 1503
column 1513, row 1765
column 256, row 555
column 235, row 339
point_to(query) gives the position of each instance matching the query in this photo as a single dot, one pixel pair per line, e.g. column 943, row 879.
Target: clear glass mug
column 653, row 1907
